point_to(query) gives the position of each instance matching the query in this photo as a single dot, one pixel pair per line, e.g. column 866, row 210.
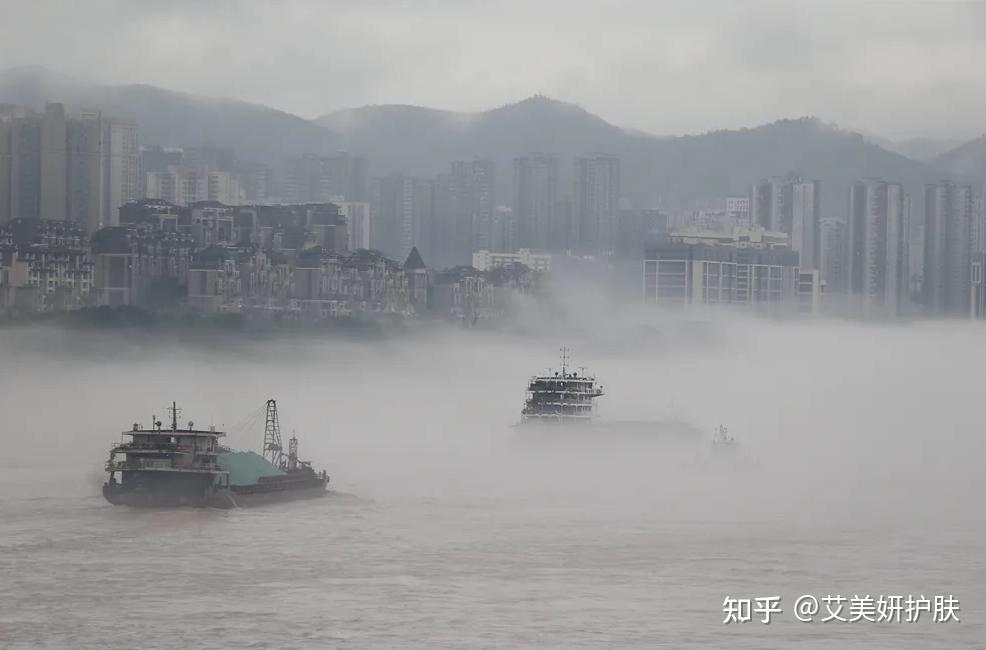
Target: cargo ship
column 561, row 404
column 162, row 466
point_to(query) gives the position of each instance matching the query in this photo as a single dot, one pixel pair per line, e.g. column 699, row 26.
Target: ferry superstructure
column 561, row 397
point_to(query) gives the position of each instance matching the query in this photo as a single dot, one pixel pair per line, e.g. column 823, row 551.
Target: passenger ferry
column 562, row 397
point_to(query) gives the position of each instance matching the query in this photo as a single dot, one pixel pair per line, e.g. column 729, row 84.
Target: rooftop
column 414, row 261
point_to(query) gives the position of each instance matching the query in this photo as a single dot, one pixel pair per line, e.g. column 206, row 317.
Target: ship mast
column 174, row 415
column 293, row 453
column 272, row 435
column 564, row 362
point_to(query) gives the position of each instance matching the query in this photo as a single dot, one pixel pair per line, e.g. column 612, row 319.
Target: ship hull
column 120, row 495
column 666, row 434
column 253, row 499
column 235, row 497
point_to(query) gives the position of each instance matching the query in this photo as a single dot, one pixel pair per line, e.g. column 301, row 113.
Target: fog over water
column 865, row 476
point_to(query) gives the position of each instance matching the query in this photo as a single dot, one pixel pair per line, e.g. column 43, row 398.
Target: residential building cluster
column 314, row 178
column 44, row 265
column 473, row 208
column 862, row 257
column 184, row 176
column 289, row 261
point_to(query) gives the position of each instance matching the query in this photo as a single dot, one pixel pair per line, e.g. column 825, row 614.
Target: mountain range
column 171, row 118
column 423, row 141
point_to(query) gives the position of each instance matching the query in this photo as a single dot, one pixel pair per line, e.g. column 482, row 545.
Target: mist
column 837, row 414
column 864, row 445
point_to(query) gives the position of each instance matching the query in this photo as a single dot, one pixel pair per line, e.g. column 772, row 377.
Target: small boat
column 725, row 455
column 722, row 441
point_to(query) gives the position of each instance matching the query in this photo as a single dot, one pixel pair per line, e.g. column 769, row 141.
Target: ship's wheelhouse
column 561, row 396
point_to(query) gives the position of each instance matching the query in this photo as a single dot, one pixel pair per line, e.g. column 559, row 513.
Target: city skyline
column 80, row 167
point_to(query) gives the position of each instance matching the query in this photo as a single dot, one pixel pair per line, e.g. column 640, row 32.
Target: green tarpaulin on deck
column 246, row 467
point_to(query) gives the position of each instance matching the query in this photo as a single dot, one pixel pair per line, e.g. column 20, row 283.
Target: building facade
column 358, row 222
column 44, row 265
column 400, row 216
column 738, row 210
column 596, row 204
column 129, row 259
column 61, row 167
column 488, row 260
column 316, row 179
column 761, row 276
column 832, row 255
column 535, row 203
column 20, row 164
column 948, row 247
column 54, row 163
column 878, row 248
column 792, row 205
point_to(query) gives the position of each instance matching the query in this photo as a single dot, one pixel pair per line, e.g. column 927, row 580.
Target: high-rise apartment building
column 791, row 205
column 349, row 176
column 5, row 165
column 314, row 178
column 357, row 216
column 224, row 187
column 503, row 232
column 535, row 202
column 476, row 183
column 948, row 246
column 878, row 247
column 464, row 218
column 87, row 175
column 258, row 183
column 55, row 166
column 832, row 254
column 444, row 209
column 122, row 166
column 184, row 177
column 400, row 214
column 54, row 163
column 20, row 164
column 805, row 210
column 416, row 197
column 596, row 203
column 164, row 185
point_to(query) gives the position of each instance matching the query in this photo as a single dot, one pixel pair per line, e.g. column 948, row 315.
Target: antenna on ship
column 175, row 411
column 293, row 452
column 272, row 435
column 564, row 362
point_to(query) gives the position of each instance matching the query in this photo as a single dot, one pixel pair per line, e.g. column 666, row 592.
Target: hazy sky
column 894, row 68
